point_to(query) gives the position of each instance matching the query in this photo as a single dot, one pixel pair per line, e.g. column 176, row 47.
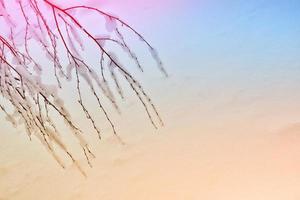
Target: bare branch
column 59, row 34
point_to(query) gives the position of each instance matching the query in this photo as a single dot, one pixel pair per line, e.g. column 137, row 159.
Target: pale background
column 231, row 109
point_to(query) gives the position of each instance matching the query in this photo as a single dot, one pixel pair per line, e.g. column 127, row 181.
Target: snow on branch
column 30, row 100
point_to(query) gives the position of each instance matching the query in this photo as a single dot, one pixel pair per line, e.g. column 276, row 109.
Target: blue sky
column 231, row 111
column 231, row 38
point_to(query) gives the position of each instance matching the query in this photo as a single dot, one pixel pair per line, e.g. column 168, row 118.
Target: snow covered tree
column 58, row 32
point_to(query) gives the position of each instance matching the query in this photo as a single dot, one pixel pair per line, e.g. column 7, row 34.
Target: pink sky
column 231, row 112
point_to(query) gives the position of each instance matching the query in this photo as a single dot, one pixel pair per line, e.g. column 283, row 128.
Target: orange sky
column 230, row 106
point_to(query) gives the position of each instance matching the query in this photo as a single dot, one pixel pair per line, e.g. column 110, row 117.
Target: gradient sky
column 248, row 44
column 231, row 108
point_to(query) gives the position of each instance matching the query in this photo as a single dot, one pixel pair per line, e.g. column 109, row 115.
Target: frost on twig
column 50, row 26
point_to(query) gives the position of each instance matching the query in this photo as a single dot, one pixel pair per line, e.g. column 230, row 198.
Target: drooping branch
column 58, row 32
